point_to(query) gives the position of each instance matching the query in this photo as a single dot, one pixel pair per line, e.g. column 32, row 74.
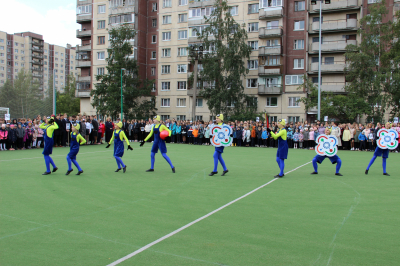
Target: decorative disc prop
column 326, row 145
column 388, row 139
column 164, row 134
column 221, row 136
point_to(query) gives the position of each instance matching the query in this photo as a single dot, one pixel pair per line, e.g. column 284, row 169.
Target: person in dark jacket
column 20, row 137
column 64, row 133
column 109, row 129
column 259, row 137
column 239, row 134
column 58, row 132
column 12, row 137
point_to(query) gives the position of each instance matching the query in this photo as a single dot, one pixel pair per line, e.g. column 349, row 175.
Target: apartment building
column 96, row 18
column 283, row 34
column 29, row 51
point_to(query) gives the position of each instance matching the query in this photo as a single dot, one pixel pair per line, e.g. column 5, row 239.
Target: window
column 154, row 23
column 314, row 60
column 167, row 3
column 101, row 9
column 201, row 12
column 164, row 117
column 180, row 102
column 273, row 60
column 122, row 19
column 298, row 63
column 182, row 68
column 294, row 79
column 87, row 9
column 253, row 45
column 181, row 117
column 15, row 64
column 183, row 2
column 100, row 55
column 22, row 52
column 165, row 69
column 101, row 40
column 101, row 24
column 16, row 50
column 299, row 25
column 252, row 64
column 100, row 71
column 316, row 39
column 154, row 39
column 2, row 48
column 153, row 71
column 153, row 88
column 293, row 119
column 165, row 103
column 234, row 10
column 299, row 6
column 166, row 52
column 166, row 36
column 166, row 19
column 253, row 27
column 182, row 17
column 298, row 44
column 1, row 40
column 182, row 51
column 252, row 83
column 165, row 86
column 181, row 85
column 329, row 60
column 272, row 102
column 182, row 34
column 199, row 102
column 154, row 7
column 272, row 24
column 294, row 101
column 16, row 57
column 253, row 8
column 315, row 80
column 153, row 55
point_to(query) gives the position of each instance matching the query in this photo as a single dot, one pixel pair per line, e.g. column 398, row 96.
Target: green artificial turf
column 101, row 216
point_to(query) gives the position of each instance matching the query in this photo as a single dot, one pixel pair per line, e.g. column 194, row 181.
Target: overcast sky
column 54, row 19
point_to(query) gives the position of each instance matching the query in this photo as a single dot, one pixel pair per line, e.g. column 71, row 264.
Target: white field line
column 195, row 221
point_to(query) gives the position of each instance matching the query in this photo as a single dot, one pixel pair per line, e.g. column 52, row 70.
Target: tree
column 344, row 107
column 225, row 43
column 8, row 97
column 137, row 99
column 66, row 101
column 373, row 65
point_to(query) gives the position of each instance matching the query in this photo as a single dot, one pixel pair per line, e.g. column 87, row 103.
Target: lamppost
column 196, row 53
column 122, row 104
column 314, row 2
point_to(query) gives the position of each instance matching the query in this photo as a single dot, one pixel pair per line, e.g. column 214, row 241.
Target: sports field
column 101, row 216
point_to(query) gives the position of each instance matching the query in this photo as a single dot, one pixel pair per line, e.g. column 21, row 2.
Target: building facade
column 29, row 51
column 283, row 34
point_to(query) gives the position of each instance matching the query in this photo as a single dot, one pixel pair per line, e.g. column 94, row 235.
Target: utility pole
column 122, row 103
column 196, row 53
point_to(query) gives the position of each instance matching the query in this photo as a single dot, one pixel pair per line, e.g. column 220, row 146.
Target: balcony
column 82, row 93
column 37, row 62
column 84, row 79
column 197, row 40
column 270, row 13
column 83, row 2
column 269, row 32
column 37, row 43
column 334, row 67
column 193, row 3
column 83, row 33
column 335, row 6
column 37, row 69
column 336, row 25
column 269, row 89
column 331, row 46
column 84, row 48
column 83, row 17
column 37, row 56
column 117, row 25
column 119, row 7
column 193, row 22
column 83, row 63
column 270, row 70
column 37, row 49
column 36, row 75
column 269, row 50
column 333, row 87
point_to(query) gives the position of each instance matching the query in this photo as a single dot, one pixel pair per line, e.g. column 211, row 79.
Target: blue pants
column 218, row 157
column 383, row 163
column 153, row 159
column 48, row 160
column 281, row 164
column 75, row 163
column 119, row 162
column 320, row 159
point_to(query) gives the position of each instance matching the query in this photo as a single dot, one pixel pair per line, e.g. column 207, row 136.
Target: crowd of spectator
column 25, row 133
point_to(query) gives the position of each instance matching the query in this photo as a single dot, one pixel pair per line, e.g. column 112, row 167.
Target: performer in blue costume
column 119, row 137
column 158, row 144
column 283, row 148
column 48, row 143
column 334, row 159
column 75, row 142
column 378, row 153
column 218, row 151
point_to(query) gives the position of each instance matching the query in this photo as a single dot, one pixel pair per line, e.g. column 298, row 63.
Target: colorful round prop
column 326, row 145
column 164, row 134
column 221, row 136
column 388, row 139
